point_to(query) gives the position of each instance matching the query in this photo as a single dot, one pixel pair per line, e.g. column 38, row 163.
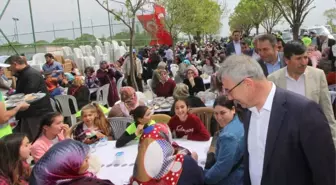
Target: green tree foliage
column 295, row 12
column 140, row 39
column 62, row 42
column 237, row 22
column 331, row 17
column 85, row 39
column 272, row 16
column 41, row 43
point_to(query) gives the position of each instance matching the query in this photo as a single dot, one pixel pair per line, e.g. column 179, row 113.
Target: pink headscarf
column 128, row 94
column 193, row 68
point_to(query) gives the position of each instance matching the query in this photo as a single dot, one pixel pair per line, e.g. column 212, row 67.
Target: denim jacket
column 229, row 150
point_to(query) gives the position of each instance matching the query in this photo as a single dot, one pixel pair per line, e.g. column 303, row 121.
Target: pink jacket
column 42, row 145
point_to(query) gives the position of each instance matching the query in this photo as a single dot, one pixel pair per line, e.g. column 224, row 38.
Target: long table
column 120, row 174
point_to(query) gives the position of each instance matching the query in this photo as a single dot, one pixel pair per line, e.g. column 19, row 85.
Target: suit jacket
column 264, row 67
column 299, row 148
column 316, row 89
column 230, row 49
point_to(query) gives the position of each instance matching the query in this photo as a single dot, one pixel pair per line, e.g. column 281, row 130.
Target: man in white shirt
column 288, row 137
column 234, row 47
column 302, row 79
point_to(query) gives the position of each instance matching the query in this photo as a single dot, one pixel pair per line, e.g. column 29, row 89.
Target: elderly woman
column 193, row 81
column 129, row 101
column 66, row 163
column 166, row 85
column 80, row 92
column 156, row 75
column 107, row 75
column 173, row 165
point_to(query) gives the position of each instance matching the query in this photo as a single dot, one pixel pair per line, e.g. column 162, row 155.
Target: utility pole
column 92, row 27
column 109, row 18
column 32, row 24
column 16, row 32
column 80, row 18
column 73, row 30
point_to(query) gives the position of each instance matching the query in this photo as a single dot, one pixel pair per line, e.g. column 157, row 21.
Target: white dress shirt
column 257, row 136
column 237, row 47
column 297, row 86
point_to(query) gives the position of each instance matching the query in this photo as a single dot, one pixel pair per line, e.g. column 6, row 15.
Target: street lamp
column 16, row 32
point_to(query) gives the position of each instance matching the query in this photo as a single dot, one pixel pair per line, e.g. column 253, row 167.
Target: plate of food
column 165, row 105
column 14, row 97
column 204, row 76
column 30, row 98
column 156, row 107
column 10, row 104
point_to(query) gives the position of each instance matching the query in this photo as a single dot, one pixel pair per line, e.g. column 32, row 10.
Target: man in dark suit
column 271, row 59
column 288, row 138
column 234, row 46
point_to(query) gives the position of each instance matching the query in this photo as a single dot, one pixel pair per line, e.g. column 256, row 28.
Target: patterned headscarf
column 156, row 143
column 181, row 91
column 60, row 163
column 193, row 68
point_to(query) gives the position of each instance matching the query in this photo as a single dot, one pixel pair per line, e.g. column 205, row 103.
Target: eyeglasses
column 229, row 91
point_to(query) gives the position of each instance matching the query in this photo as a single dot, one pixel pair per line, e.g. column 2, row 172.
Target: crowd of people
column 273, row 119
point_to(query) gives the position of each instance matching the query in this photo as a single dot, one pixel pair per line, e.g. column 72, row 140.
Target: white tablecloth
column 120, row 174
column 207, row 80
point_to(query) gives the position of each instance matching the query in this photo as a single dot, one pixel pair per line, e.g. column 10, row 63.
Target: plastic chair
column 108, row 50
column 83, row 50
column 89, row 50
column 79, row 60
column 332, row 96
column 119, row 125
column 332, row 87
column 63, row 102
column 160, row 118
column 39, row 58
column 99, row 55
column 174, row 68
column 53, row 105
column 149, row 83
column 102, row 94
column 119, row 84
column 141, row 96
column 205, row 114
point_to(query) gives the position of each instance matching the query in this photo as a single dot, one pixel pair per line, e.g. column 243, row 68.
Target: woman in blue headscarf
column 66, row 163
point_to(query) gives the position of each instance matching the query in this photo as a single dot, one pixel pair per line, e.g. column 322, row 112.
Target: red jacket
column 193, row 127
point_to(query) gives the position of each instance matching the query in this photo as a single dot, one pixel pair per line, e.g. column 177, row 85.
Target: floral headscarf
column 156, row 143
column 61, row 163
column 128, row 98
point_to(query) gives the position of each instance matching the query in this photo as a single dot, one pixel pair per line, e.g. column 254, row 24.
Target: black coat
column 199, row 85
column 299, row 147
column 29, row 80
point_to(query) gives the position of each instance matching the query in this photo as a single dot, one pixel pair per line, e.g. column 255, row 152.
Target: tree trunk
column 133, row 75
column 257, row 29
column 296, row 30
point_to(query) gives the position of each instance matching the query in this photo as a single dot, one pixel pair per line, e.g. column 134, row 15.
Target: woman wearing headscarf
column 107, row 75
column 66, row 163
column 193, row 81
column 173, row 165
column 183, row 64
column 129, row 101
column 156, row 75
column 181, row 91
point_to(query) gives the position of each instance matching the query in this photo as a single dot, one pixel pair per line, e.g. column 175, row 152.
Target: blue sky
column 61, row 14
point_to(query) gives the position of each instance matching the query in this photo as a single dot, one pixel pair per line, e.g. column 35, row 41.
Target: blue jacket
column 229, row 150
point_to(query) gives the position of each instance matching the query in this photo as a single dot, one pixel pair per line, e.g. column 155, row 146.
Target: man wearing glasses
column 288, row 137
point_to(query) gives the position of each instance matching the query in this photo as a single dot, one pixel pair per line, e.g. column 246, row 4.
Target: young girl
column 187, row 125
column 14, row 151
column 66, row 163
column 52, row 130
column 95, row 126
column 142, row 119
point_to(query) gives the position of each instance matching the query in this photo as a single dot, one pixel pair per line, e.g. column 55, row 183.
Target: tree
column 252, row 11
column 85, row 39
column 272, row 16
column 140, row 39
column 41, row 43
column 62, row 42
column 127, row 16
column 295, row 12
column 331, row 17
column 237, row 22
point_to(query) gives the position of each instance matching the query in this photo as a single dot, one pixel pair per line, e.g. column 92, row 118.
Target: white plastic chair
column 53, row 105
column 102, row 94
column 63, row 103
column 99, row 55
column 79, row 59
column 83, row 50
column 141, row 96
column 119, row 125
column 174, row 68
column 108, row 50
column 68, row 53
column 89, row 50
column 149, row 83
column 119, row 84
column 39, row 58
column 114, row 48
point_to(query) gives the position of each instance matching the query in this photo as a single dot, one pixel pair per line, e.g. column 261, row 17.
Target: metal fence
column 23, row 41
